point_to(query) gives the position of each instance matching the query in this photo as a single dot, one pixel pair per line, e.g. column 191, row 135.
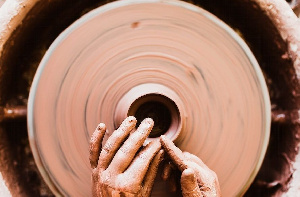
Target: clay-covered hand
column 196, row 178
column 123, row 166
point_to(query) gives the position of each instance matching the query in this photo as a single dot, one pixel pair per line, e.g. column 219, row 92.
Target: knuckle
column 95, row 175
column 106, row 177
column 107, row 147
column 143, row 156
column 95, row 171
column 125, row 149
column 124, row 185
column 141, row 131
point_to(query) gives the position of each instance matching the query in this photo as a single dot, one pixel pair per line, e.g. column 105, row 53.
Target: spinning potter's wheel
column 127, row 58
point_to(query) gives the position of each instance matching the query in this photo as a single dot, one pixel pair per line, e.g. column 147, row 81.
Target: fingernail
column 148, row 120
column 101, row 126
column 130, row 118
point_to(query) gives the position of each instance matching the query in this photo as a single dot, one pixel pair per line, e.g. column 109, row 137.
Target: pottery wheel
column 125, row 58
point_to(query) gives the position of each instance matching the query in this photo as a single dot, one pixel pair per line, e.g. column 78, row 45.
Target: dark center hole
column 159, row 113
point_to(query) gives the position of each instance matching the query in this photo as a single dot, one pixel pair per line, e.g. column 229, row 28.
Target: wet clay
column 182, row 51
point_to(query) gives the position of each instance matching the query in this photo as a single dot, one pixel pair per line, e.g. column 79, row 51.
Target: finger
column 114, row 142
column 130, row 147
column 151, row 173
column 95, row 181
column 96, row 143
column 195, row 159
column 167, row 170
column 140, row 164
column 169, row 173
column 172, row 182
column 174, row 153
column 203, row 173
column 189, row 184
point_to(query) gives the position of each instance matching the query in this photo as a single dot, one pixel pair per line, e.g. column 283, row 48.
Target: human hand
column 123, row 166
column 197, row 179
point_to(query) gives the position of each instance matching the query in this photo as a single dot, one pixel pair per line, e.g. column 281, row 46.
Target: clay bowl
column 270, row 29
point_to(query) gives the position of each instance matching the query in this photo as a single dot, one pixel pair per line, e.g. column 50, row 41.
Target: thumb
column 189, row 185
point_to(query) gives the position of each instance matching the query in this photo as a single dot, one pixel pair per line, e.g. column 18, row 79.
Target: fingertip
column 101, row 126
column 98, row 134
column 163, row 140
column 145, row 127
column 189, row 184
column 130, row 119
column 96, row 144
column 188, row 173
column 157, row 143
column 161, row 154
column 148, row 121
column 166, row 143
column 128, row 125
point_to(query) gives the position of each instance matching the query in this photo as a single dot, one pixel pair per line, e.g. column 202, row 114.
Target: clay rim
column 129, row 104
column 30, row 115
column 171, row 118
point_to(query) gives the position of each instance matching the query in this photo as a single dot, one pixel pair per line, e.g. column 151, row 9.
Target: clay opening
column 161, row 109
